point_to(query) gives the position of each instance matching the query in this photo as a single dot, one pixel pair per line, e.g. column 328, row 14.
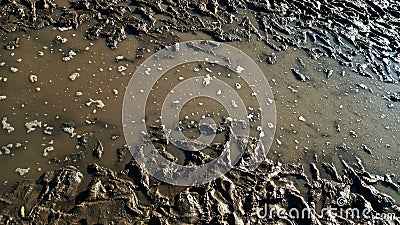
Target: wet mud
column 334, row 69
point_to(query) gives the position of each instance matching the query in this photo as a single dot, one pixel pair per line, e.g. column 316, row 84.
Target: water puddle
column 334, row 115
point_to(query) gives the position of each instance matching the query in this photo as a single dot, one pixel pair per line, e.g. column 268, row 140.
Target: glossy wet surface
column 309, row 113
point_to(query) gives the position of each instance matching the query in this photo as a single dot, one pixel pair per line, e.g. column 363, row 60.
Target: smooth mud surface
column 334, row 69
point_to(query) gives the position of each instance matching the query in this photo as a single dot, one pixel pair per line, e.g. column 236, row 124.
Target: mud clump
column 101, row 195
column 395, row 97
column 60, row 196
column 340, row 30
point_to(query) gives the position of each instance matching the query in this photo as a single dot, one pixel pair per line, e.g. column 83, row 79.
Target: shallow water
column 322, row 102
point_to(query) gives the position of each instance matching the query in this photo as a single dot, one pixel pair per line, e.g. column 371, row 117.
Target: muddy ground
column 334, row 68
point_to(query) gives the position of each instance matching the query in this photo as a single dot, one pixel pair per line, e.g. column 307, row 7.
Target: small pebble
column 74, row 76
column 33, row 78
column 22, row 171
column 13, row 69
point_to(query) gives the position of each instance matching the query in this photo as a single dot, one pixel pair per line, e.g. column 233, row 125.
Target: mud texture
column 60, row 197
column 362, row 35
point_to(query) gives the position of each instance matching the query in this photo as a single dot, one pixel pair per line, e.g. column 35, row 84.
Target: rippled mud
column 334, row 69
